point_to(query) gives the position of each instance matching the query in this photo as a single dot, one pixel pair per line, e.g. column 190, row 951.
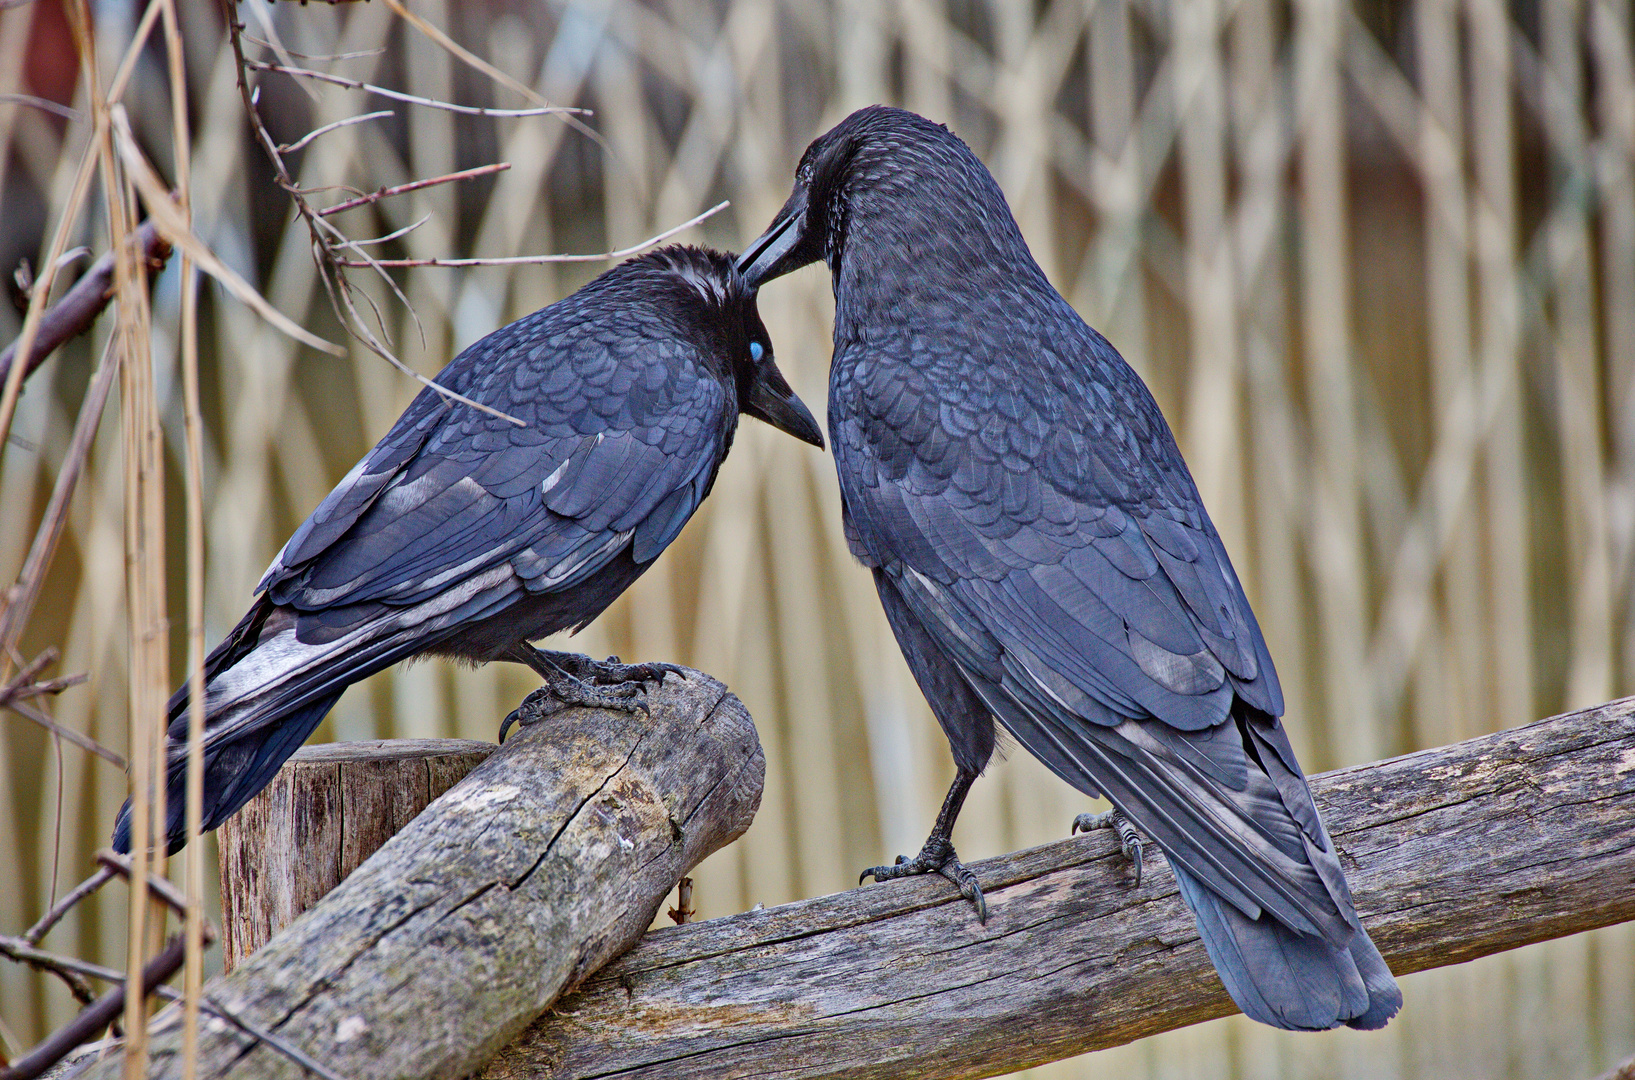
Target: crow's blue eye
column 755, row 351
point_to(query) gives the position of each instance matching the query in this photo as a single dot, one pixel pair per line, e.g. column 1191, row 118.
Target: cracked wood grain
column 1452, row 853
column 330, row 807
column 550, row 858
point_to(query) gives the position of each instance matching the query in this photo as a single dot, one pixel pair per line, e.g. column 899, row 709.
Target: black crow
column 1044, row 560
column 464, row 535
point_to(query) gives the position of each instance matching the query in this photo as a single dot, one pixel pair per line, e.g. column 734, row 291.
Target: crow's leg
column 573, row 679
column 1129, row 841
column 938, row 853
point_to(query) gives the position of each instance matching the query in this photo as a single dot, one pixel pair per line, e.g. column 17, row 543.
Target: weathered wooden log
column 330, row 807
column 1453, row 853
column 551, row 857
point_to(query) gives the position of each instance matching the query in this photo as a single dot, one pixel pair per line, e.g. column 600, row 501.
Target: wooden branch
column 329, row 808
column 1453, row 853
column 78, row 308
column 548, row 859
column 92, row 1019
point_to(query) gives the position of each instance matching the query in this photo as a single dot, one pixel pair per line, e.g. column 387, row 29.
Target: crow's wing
column 624, row 432
column 1047, row 535
column 457, row 514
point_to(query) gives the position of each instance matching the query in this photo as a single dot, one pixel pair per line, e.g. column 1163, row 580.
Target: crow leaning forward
column 1044, row 560
column 464, row 535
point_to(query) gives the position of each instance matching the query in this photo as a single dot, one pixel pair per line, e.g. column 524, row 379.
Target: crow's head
column 720, row 307
column 884, row 174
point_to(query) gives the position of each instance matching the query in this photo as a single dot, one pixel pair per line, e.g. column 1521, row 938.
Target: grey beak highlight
column 760, row 260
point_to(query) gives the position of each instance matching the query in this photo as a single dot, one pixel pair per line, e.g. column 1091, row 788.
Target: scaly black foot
column 938, row 852
column 937, row 856
column 575, row 679
column 609, row 672
column 1129, row 841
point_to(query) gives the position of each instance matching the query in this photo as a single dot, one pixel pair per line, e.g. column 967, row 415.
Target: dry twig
column 38, row 931
column 74, row 313
column 413, row 185
column 412, row 99
column 532, row 260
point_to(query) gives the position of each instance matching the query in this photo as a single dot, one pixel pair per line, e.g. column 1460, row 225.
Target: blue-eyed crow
column 462, row 534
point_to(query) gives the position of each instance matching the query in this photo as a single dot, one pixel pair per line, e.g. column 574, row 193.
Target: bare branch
column 414, row 185
column 95, row 1017
column 67, row 970
column 168, row 215
column 290, row 148
column 398, row 95
column 529, row 260
column 394, row 234
column 68, row 963
column 84, row 742
column 40, row 103
column 158, row 886
column 472, row 60
column 38, row 931
column 77, row 310
column 323, row 58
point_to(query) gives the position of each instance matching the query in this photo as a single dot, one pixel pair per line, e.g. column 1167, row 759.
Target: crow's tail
column 265, row 693
column 1288, row 979
column 232, row 775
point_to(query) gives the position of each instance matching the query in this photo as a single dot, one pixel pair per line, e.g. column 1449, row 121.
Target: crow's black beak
column 770, row 399
column 774, row 253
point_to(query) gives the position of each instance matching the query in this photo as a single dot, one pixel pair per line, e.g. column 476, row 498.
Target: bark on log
column 1453, row 853
column 551, row 857
column 330, row 808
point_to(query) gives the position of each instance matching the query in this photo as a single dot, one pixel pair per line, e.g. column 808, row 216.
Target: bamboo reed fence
column 1377, row 261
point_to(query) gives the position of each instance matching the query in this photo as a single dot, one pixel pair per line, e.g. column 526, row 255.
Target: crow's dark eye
column 755, row 351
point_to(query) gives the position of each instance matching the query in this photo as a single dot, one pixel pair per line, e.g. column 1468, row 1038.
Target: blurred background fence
column 1376, row 260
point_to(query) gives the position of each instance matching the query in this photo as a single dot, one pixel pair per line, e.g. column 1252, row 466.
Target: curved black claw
column 936, row 857
column 1129, row 841
column 609, row 672
column 575, row 679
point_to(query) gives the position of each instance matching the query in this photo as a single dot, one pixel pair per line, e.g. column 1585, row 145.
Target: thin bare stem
column 283, row 1046
column 412, row 99
column 530, row 260
column 323, row 58
column 42, row 290
column 477, row 63
column 40, row 103
column 126, row 867
column 133, row 52
column 84, row 742
column 193, row 475
column 31, row 578
column 299, row 144
column 38, row 931
column 394, row 234
column 22, row 952
column 167, row 214
column 414, row 185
